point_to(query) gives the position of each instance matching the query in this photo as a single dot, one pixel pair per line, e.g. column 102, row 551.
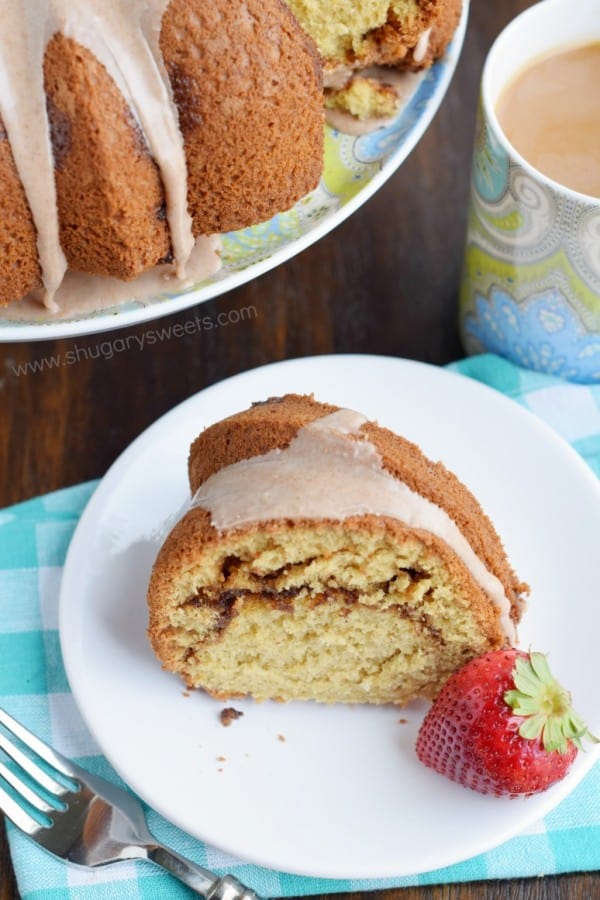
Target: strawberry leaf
column 532, row 727
column 524, row 677
column 544, row 705
column 521, row 704
column 540, row 666
column 554, row 736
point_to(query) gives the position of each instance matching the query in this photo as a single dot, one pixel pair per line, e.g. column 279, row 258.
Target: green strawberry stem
column 545, row 706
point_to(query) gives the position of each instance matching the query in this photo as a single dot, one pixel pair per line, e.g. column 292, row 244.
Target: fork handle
column 205, row 883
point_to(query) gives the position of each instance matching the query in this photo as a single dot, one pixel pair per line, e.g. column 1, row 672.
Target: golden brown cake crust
column 237, row 72
column 274, row 423
column 109, row 192
column 19, row 267
column 442, row 32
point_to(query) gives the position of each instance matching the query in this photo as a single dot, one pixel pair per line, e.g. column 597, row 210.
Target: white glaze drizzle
column 124, row 37
column 422, row 46
column 325, row 474
column 80, row 294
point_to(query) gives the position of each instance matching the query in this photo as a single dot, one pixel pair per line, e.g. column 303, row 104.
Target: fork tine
column 17, row 815
column 52, row 757
column 29, row 765
column 24, row 790
column 32, row 768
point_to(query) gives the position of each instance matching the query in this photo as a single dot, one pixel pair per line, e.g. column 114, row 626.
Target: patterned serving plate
column 354, row 169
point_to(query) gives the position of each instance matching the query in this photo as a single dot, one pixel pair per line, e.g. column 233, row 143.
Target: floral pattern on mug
column 540, row 334
column 531, row 277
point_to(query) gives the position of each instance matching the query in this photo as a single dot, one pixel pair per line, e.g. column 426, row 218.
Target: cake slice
column 325, row 558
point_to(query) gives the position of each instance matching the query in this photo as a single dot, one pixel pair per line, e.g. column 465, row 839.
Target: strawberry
column 502, row 725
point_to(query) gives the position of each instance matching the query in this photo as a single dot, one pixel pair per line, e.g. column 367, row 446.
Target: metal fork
column 86, row 820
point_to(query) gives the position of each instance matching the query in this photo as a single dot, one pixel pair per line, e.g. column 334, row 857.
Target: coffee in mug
column 550, row 113
column 530, row 288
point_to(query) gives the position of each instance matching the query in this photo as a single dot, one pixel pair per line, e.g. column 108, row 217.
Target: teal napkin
column 34, row 537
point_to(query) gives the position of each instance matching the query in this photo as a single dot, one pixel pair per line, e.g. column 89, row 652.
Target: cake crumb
column 186, row 693
column 281, row 737
column 229, row 715
column 221, row 759
column 403, row 721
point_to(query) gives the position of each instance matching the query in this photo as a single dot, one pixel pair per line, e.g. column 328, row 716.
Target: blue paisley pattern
column 378, row 145
column 542, row 334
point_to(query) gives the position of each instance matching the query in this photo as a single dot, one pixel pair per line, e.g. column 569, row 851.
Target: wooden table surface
column 383, row 282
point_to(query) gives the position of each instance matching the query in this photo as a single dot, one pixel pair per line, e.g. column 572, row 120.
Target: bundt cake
column 129, row 129
column 354, row 35
column 324, row 557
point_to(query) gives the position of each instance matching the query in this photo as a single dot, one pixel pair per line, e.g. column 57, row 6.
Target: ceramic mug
column 530, row 287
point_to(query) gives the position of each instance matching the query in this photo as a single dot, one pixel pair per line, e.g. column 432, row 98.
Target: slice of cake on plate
column 324, row 557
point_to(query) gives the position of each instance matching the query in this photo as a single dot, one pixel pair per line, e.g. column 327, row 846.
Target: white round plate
column 330, row 791
column 354, row 169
